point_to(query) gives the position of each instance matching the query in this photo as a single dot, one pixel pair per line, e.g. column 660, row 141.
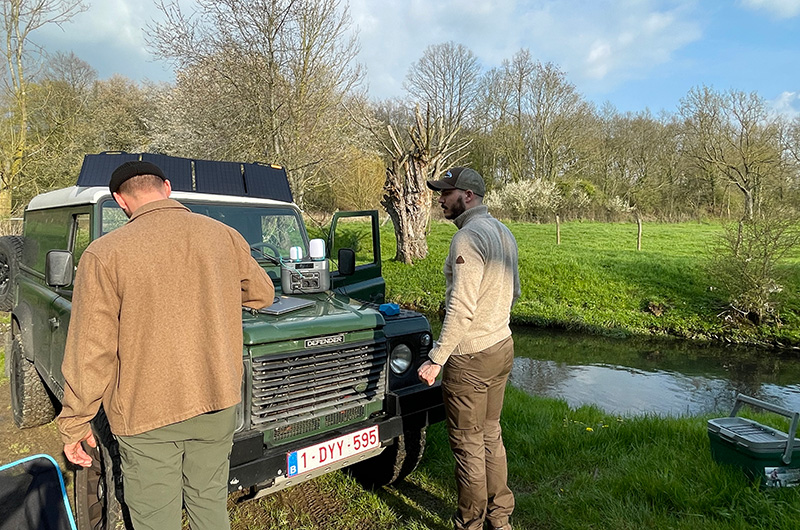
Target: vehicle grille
column 303, row 391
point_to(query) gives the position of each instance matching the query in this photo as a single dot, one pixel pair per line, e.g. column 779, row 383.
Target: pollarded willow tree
column 444, row 81
column 418, row 147
column 422, row 153
column 261, row 80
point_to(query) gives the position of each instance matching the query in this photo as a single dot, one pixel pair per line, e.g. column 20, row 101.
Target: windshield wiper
column 271, row 259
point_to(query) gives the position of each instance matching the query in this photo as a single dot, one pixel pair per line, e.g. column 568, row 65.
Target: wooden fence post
column 639, row 232
column 558, row 230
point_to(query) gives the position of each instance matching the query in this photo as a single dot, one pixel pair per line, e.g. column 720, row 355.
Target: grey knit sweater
column 482, row 284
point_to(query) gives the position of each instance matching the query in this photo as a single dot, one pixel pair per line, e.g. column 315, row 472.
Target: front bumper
column 263, row 470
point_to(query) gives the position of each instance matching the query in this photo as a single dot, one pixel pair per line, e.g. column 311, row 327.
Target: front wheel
column 10, row 256
column 395, row 463
column 98, row 488
column 31, row 403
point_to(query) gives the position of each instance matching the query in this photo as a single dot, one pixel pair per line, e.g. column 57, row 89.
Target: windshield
column 268, row 230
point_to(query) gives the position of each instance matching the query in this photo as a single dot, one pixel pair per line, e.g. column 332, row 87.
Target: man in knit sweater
column 475, row 348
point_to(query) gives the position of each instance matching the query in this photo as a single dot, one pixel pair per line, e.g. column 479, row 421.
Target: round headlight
column 400, row 359
column 425, row 340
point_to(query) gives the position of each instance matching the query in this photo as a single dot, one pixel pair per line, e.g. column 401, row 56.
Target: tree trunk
column 407, row 200
column 748, row 204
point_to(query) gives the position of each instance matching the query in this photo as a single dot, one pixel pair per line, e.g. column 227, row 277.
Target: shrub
column 526, row 200
column 746, row 261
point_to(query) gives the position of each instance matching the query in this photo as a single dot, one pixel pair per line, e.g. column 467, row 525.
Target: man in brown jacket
column 155, row 337
column 475, row 348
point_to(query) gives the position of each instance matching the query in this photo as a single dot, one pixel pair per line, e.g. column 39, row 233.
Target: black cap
column 132, row 169
column 461, row 178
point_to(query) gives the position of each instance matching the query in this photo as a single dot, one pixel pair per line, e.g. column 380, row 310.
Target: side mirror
column 58, row 268
column 347, row 261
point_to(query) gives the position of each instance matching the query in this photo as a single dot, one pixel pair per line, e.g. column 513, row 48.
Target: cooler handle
column 795, row 417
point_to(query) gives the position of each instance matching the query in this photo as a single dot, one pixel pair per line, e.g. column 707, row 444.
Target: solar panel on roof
column 267, row 181
column 224, row 178
column 96, row 169
column 178, row 170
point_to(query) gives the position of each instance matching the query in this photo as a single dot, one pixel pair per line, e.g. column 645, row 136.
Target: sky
column 634, row 54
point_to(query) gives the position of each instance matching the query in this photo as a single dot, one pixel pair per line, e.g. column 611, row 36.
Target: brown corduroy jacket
column 155, row 334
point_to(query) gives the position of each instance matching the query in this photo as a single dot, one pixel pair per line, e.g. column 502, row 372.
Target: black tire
column 415, row 447
column 10, row 256
column 99, row 500
column 395, row 463
column 31, row 402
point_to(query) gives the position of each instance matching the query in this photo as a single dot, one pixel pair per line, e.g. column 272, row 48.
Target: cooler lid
column 748, row 433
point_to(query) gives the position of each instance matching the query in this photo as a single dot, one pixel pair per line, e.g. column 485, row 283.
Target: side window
column 45, row 230
column 81, row 235
column 112, row 217
column 354, row 232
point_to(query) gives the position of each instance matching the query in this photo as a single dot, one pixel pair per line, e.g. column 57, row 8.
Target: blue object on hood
column 389, row 309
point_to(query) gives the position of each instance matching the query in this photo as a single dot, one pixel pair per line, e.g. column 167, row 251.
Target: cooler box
column 766, row 454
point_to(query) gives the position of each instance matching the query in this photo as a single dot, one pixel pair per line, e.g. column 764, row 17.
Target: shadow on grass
column 416, row 503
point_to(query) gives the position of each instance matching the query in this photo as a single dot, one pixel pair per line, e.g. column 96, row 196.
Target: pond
column 653, row 376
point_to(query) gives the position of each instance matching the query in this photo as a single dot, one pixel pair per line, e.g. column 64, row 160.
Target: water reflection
column 626, row 376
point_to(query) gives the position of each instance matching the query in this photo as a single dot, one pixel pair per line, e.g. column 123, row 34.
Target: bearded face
column 452, row 202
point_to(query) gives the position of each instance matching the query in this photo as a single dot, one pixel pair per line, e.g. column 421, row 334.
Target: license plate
column 330, row 451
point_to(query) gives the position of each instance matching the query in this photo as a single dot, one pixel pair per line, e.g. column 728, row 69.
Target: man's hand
column 428, row 372
column 75, row 452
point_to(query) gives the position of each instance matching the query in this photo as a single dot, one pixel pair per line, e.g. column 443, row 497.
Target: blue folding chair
column 33, row 496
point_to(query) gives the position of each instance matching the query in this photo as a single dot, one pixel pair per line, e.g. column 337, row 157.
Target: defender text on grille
column 324, row 341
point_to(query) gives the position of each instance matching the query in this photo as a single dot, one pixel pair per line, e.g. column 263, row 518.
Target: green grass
column 569, row 469
column 596, row 281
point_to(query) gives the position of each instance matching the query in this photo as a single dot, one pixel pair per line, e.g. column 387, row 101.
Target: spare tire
column 10, row 256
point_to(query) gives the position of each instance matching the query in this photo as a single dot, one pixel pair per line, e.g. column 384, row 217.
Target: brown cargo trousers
column 473, row 386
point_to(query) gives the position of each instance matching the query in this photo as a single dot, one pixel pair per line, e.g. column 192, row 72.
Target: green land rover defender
column 329, row 370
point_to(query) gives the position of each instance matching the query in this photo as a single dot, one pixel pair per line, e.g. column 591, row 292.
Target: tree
column 60, row 124
column 445, row 79
column 407, row 198
column 263, row 80
column 733, row 133
column 20, row 19
column 536, row 119
column 418, row 148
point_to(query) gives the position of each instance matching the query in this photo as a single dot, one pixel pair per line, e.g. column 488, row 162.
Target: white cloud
column 600, row 42
column 787, row 104
column 778, row 8
column 118, row 21
column 110, row 36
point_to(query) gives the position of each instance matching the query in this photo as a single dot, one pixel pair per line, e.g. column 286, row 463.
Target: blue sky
column 635, row 54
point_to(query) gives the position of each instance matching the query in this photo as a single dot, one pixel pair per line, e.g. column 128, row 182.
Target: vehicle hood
column 329, row 314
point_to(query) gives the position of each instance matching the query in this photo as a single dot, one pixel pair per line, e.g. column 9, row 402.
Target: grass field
column 569, row 469
column 596, row 281
column 573, row 468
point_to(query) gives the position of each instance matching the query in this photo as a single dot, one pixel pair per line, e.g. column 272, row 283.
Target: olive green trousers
column 473, row 387
column 183, row 464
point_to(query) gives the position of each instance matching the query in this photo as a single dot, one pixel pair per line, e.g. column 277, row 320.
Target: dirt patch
column 18, row 443
column 307, row 505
